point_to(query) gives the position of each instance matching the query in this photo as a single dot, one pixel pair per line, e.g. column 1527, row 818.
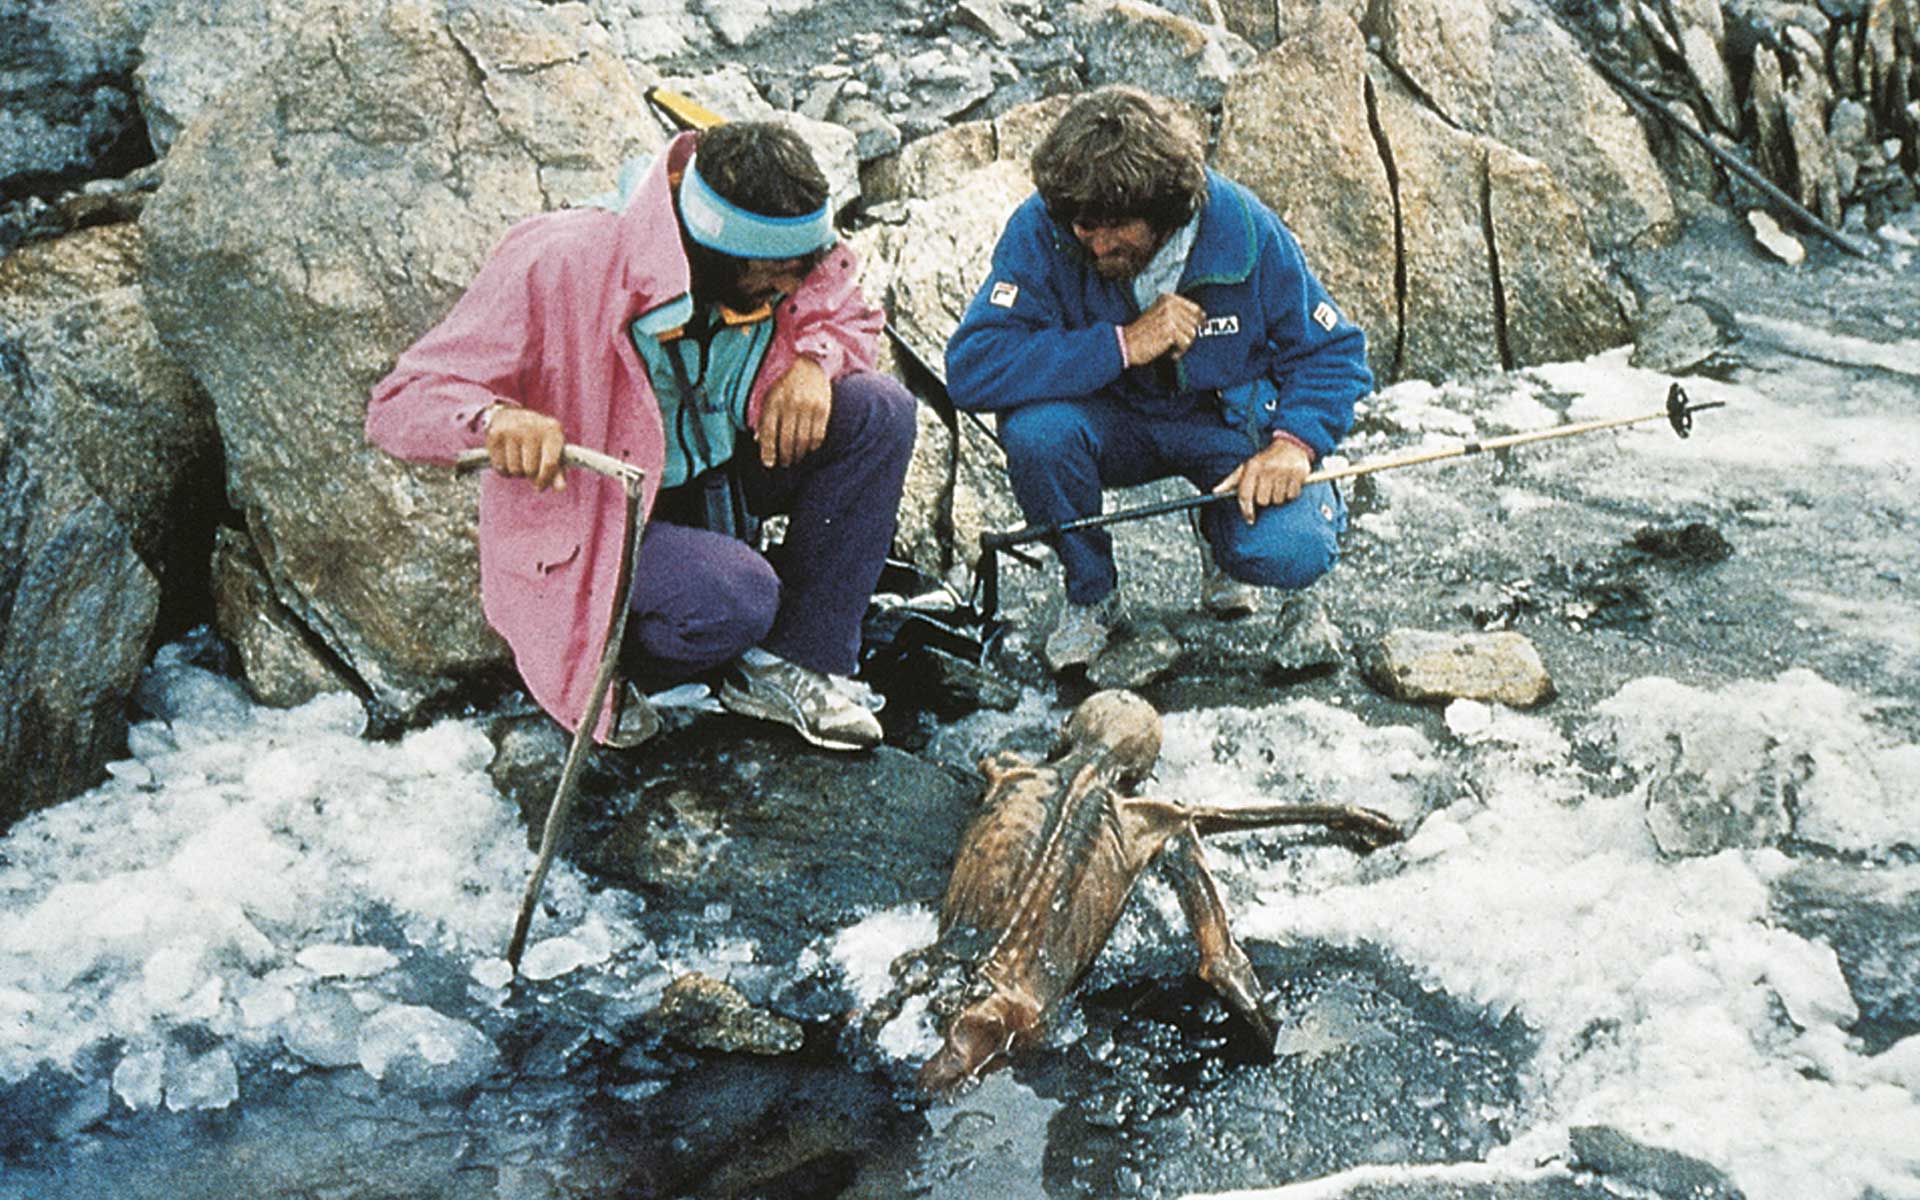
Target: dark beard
column 715, row 278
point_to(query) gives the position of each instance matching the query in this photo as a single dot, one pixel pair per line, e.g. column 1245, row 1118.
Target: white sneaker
column 1081, row 633
column 817, row 706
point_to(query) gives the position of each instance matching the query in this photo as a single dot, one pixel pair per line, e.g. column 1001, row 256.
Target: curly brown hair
column 1119, row 154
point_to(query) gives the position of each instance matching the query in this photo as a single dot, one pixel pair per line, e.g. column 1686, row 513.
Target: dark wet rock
column 703, row 1013
column 1367, row 1067
column 1874, row 929
column 1624, row 589
column 1676, row 336
column 1695, row 543
column 797, row 842
column 375, row 556
column 49, row 1105
column 1666, row 1173
column 1141, row 651
column 529, row 751
column 783, row 1128
column 1423, row 666
column 277, row 657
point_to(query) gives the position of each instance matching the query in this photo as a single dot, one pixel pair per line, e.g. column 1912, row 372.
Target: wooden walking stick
column 630, row 478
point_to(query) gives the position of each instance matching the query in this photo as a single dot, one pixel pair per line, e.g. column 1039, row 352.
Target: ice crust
column 1667, row 1002
column 224, row 879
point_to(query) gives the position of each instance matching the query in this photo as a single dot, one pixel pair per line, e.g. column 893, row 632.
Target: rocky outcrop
column 67, row 92
column 102, row 436
column 1134, row 42
column 1442, row 49
column 1552, row 105
column 923, row 270
column 288, row 284
column 1455, row 252
column 194, row 49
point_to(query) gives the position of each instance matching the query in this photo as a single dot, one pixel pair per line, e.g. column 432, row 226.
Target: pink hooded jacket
column 544, row 325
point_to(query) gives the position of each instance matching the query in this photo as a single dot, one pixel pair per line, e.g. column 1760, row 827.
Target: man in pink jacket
column 707, row 328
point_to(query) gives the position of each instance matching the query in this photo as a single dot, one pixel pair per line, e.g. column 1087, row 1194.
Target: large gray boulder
column 1444, row 48
column 319, row 216
column 1550, row 104
column 1451, row 317
column 1456, row 252
column 1555, row 301
column 1132, row 41
column 1294, row 128
column 194, row 49
column 100, row 435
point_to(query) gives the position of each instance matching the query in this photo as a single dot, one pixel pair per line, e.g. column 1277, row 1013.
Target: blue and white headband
column 717, row 224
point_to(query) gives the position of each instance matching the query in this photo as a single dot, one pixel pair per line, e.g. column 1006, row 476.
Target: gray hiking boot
column 831, row 713
column 1081, row 633
column 1221, row 595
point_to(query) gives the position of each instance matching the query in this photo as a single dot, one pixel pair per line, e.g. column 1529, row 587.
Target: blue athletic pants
column 1061, row 453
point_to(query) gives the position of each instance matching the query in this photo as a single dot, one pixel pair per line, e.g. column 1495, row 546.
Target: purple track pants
column 700, row 598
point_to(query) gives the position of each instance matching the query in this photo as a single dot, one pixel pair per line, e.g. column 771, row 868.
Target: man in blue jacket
column 1146, row 317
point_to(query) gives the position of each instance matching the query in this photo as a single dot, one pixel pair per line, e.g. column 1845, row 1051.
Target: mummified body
column 1046, row 868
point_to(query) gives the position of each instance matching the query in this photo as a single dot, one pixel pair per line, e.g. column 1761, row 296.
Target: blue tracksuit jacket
column 1274, row 354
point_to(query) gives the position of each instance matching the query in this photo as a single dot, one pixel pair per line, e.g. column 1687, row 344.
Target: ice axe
column 1677, row 413
column 630, row 478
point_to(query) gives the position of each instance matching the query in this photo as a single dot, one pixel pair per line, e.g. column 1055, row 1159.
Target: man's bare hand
column 793, row 421
column 1167, row 327
column 1273, row 476
column 523, row 442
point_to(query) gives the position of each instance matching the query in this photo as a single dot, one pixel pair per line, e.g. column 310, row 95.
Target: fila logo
column 1225, row 326
column 1325, row 316
column 1003, row 295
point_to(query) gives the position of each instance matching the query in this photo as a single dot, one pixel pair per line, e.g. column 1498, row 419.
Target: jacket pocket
column 536, row 551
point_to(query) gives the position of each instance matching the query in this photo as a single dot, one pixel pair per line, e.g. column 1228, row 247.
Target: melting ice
column 263, row 882
column 1668, row 1004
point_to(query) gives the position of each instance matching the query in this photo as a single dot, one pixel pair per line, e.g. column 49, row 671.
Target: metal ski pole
column 1678, row 413
column 630, row 478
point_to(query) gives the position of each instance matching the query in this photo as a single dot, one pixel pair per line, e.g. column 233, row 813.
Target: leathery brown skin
column 1046, row 868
